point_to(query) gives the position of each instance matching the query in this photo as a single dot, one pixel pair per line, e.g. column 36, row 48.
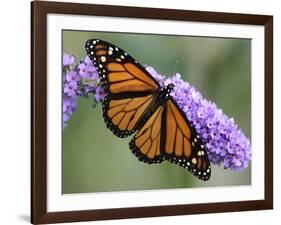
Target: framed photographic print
column 142, row 112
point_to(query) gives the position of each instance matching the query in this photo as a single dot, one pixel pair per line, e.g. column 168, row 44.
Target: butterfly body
column 165, row 92
column 160, row 99
column 135, row 103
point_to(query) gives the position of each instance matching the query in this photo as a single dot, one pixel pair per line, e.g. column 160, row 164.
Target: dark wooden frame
column 39, row 11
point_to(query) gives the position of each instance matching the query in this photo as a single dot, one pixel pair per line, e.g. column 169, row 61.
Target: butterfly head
column 165, row 91
column 170, row 87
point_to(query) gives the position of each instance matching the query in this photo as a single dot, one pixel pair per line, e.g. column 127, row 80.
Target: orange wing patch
column 119, row 76
column 128, row 86
column 140, row 75
column 129, row 78
column 125, row 113
column 101, row 52
column 115, row 67
column 147, row 140
column 177, row 133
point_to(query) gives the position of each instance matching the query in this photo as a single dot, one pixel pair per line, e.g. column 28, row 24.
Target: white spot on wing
column 194, row 160
column 103, row 58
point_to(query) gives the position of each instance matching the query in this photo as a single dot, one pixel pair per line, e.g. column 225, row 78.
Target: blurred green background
column 94, row 160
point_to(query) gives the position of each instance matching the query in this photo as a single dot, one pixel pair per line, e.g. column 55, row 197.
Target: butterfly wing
column 128, row 86
column 119, row 72
column 123, row 116
column 168, row 135
column 183, row 145
column 146, row 145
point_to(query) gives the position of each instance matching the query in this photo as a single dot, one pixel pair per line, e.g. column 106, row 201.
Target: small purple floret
column 99, row 95
column 68, row 60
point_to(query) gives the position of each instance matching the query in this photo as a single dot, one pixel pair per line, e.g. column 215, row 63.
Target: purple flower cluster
column 89, row 79
column 78, row 80
column 70, row 87
column 226, row 144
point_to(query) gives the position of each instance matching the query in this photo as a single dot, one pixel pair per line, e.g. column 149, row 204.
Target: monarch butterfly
column 135, row 102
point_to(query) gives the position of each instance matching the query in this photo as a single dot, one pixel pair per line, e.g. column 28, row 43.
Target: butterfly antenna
column 176, row 65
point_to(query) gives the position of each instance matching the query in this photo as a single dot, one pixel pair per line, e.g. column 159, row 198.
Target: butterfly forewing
column 119, row 72
column 128, row 86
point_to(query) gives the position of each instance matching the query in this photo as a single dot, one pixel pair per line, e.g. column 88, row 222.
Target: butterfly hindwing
column 183, row 145
column 146, row 145
column 122, row 116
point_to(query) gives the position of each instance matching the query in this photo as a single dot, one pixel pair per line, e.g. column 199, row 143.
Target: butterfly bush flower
column 79, row 80
column 225, row 143
column 99, row 94
column 70, row 86
column 68, row 59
